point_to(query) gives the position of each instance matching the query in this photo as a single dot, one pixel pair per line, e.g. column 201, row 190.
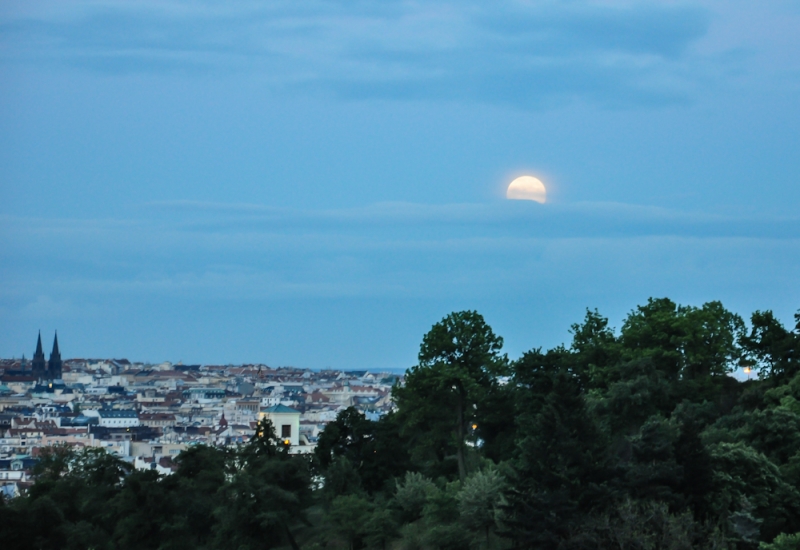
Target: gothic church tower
column 46, row 370
column 38, row 365
column 54, row 364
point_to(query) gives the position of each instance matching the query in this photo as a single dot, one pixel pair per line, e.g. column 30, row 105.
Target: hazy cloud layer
column 514, row 218
column 251, row 251
column 211, row 274
column 515, row 52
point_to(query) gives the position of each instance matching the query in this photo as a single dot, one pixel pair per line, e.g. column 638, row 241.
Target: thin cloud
column 476, row 268
column 523, row 54
column 594, row 219
column 226, row 224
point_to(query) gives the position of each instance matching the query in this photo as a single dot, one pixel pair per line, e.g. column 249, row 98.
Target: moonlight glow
column 527, row 188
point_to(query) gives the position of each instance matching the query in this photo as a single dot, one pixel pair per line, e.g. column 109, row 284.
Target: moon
column 527, row 188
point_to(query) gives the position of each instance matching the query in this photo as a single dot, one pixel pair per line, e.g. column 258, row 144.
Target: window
column 286, row 430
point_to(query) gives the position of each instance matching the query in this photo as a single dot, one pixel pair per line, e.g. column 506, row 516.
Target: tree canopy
column 635, row 439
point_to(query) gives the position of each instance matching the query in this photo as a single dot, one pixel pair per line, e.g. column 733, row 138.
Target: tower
column 38, row 365
column 54, row 364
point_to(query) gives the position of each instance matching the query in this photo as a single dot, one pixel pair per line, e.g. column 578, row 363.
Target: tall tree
column 596, row 349
column 684, row 342
column 561, row 469
column 374, row 449
column 479, row 501
column 267, row 492
column 459, row 360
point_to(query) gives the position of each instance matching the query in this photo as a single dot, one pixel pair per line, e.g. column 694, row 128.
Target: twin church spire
column 49, row 370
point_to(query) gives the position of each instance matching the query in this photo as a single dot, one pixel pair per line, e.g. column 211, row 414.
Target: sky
column 317, row 183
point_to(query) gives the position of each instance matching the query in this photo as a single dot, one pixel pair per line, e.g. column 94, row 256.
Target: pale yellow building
column 286, row 422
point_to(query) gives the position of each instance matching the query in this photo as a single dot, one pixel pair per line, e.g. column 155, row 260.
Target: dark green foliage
column 495, row 423
column 642, row 416
column 347, row 437
column 640, row 392
column 69, row 502
column 635, row 440
column 372, row 452
column 348, row 518
column 782, row 542
column 341, row 478
column 696, row 462
column 594, row 348
column 746, row 481
column 216, row 499
column 266, row 492
column 380, row 528
column 140, row 507
column 774, row 350
column 683, row 341
column 561, row 470
column 458, row 361
column 193, row 489
column 645, row 525
column 654, row 471
column 480, row 501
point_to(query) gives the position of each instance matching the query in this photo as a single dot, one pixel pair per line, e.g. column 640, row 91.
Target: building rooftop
column 280, row 409
column 106, row 413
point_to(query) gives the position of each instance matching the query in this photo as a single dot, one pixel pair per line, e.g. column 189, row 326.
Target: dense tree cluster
column 636, row 439
column 253, row 497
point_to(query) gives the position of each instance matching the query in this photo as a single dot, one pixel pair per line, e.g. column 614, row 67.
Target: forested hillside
column 633, row 439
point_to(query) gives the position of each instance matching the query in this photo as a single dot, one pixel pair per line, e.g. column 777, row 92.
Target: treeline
column 636, row 439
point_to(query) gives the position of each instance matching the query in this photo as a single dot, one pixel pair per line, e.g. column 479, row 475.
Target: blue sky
column 317, row 183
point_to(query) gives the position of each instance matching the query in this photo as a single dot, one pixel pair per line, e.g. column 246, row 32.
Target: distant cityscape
column 148, row 413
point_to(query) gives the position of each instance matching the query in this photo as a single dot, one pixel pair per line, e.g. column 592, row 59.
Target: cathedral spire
column 55, row 347
column 54, row 364
column 38, row 365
